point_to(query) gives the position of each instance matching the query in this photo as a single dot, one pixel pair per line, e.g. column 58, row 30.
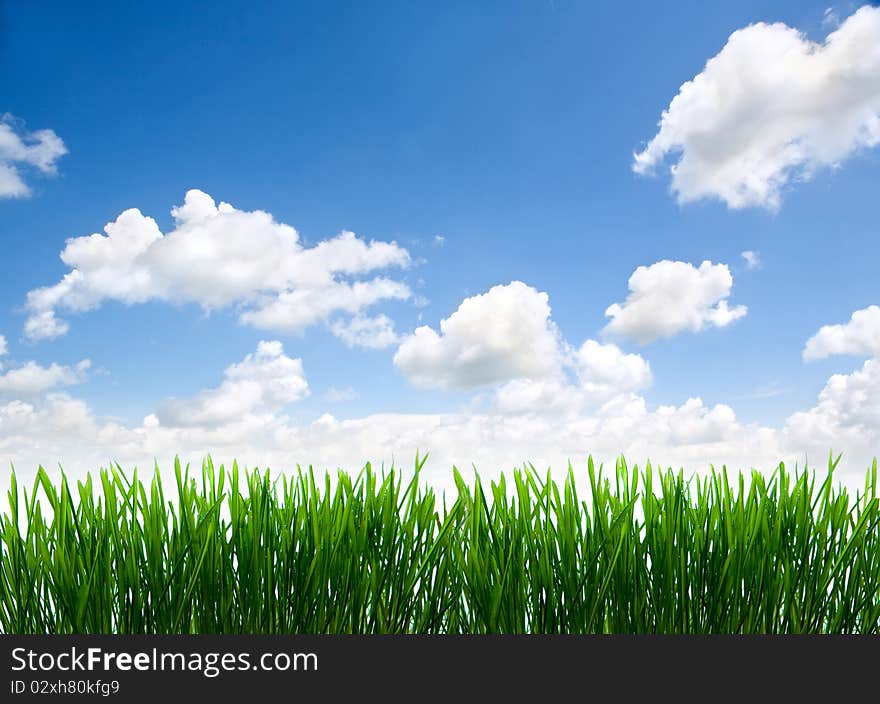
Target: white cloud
column 846, row 417
column 688, row 434
column 252, row 428
column 335, row 395
column 263, row 382
column 693, row 434
column 605, row 371
column 554, row 395
column 506, row 338
column 292, row 311
column 31, row 378
column 602, row 374
column 598, row 373
column 217, row 256
column 770, row 108
column 752, row 259
column 669, row 297
column 38, row 150
column 363, row 331
column 505, row 333
column 22, row 424
column 586, row 401
column 43, row 325
column 860, row 336
column 3, row 348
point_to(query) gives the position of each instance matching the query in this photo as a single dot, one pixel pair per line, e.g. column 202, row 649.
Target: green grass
column 244, row 552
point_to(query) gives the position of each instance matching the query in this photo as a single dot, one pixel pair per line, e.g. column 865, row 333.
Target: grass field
column 230, row 551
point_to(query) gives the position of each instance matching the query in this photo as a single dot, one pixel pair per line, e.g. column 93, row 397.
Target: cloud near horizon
column 589, row 403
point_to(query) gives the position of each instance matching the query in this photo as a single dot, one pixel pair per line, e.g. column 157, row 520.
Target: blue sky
column 507, row 129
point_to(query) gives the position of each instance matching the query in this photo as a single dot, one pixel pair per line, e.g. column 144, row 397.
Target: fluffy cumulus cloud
column 670, row 297
column 62, row 429
column 21, row 151
column 262, row 383
column 687, row 435
column 860, row 336
column 592, row 375
column 3, row 348
column 505, row 333
column 553, row 404
column 218, row 256
column 26, row 429
column 585, row 399
column 847, row 414
column 846, row 417
column 363, row 331
column 58, row 428
column 505, row 338
column 554, row 395
column 605, row 371
column 770, row 108
column 31, row 378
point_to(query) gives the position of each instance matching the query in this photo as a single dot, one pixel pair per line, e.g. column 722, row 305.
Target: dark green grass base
column 246, row 552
